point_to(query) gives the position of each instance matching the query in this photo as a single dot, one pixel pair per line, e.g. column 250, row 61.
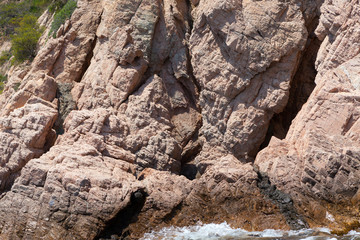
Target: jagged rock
column 338, row 30
column 228, row 190
column 244, row 67
column 320, row 155
column 165, row 193
column 23, row 135
column 143, row 89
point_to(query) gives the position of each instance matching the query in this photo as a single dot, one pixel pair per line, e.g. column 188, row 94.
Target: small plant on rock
column 62, row 15
column 3, row 80
column 4, row 57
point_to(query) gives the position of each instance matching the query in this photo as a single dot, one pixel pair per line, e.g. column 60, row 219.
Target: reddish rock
column 144, row 91
column 319, row 157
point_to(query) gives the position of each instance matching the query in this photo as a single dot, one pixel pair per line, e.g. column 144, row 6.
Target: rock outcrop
column 151, row 113
column 319, row 158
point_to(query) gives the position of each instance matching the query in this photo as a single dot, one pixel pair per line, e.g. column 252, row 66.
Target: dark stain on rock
column 282, row 200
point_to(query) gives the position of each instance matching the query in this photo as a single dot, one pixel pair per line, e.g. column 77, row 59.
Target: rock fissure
column 192, row 149
column 65, row 105
column 88, row 58
column 302, row 85
column 134, row 12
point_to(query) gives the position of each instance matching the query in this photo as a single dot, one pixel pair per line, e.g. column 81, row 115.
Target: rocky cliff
column 148, row 113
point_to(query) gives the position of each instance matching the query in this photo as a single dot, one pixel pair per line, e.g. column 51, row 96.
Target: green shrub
column 62, row 15
column 25, row 39
column 56, row 5
column 3, row 80
column 16, row 86
column 5, row 56
column 12, row 12
column 8, row 14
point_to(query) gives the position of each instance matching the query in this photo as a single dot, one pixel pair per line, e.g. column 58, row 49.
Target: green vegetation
column 18, row 24
column 56, row 5
column 3, row 80
column 4, row 56
column 25, row 39
column 12, row 12
column 60, row 17
column 16, row 86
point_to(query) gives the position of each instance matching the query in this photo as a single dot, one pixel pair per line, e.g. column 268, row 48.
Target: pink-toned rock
column 147, row 90
column 321, row 148
column 25, row 134
column 320, row 155
column 227, row 191
column 338, row 26
column 244, row 67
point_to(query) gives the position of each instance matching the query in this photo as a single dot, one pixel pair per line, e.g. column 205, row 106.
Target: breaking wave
column 224, row 232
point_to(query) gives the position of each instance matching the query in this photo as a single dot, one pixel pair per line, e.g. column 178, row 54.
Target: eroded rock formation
column 319, row 158
column 142, row 114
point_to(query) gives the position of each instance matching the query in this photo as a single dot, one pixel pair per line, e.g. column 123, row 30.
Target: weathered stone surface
column 319, row 157
column 228, row 190
column 338, row 28
column 24, row 135
column 244, row 67
column 322, row 140
column 147, row 90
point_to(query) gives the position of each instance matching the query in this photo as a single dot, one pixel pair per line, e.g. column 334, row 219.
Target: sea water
column 224, row 232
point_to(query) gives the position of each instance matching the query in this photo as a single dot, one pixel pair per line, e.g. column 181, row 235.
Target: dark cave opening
column 116, row 227
column 189, row 168
column 302, row 85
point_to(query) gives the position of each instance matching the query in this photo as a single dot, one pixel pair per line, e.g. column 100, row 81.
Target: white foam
column 324, row 230
column 330, row 217
column 197, row 232
column 353, row 233
column 224, row 231
column 308, row 238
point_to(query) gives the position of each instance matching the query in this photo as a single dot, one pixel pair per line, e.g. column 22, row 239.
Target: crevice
column 282, row 200
column 133, row 15
column 150, row 69
column 190, row 19
column 302, row 85
column 65, row 105
column 51, row 69
column 191, row 87
column 116, row 228
column 87, row 61
column 90, row 53
column 50, row 140
column 190, row 68
column 9, row 180
column 192, row 78
column 168, row 217
column 191, row 150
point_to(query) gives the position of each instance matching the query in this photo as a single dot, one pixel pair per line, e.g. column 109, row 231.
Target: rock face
column 320, row 155
column 150, row 113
